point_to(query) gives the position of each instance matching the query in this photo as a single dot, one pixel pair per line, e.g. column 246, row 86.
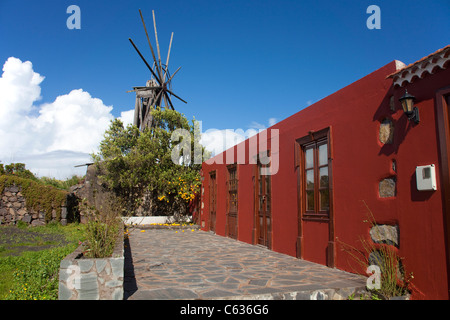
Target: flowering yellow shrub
column 185, row 188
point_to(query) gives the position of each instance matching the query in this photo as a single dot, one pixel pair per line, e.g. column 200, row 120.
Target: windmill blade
column 173, row 74
column 175, row 95
column 157, row 42
column 168, row 55
column 151, row 48
column 145, row 61
column 168, row 99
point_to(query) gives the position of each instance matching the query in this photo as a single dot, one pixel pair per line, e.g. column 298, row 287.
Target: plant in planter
column 95, row 270
column 102, row 229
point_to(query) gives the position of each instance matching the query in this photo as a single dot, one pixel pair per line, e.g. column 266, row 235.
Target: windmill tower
column 158, row 90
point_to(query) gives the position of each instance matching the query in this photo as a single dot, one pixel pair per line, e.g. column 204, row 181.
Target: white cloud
column 73, row 122
column 19, row 88
column 256, row 125
column 127, row 117
column 59, row 164
column 272, row 121
column 70, row 127
column 217, row 141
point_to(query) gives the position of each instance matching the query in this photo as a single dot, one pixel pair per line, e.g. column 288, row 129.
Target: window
column 313, row 160
column 317, row 198
column 232, row 189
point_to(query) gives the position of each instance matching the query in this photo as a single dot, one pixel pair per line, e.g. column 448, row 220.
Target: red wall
column 359, row 162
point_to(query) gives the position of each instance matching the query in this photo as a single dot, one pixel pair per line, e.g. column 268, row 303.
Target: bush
column 101, row 238
column 102, row 228
column 62, row 184
column 19, row 170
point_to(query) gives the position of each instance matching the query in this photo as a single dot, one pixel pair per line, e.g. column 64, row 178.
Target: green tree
column 138, row 166
column 17, row 169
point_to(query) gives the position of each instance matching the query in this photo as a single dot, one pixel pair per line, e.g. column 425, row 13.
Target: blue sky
column 242, row 62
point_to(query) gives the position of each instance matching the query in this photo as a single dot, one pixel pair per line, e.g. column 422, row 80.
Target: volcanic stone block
column 387, row 188
column 385, row 234
column 386, row 131
column 26, row 218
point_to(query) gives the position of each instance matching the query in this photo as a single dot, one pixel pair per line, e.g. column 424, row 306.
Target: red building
column 353, row 151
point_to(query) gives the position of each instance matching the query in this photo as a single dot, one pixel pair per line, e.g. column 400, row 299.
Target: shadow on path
column 129, row 282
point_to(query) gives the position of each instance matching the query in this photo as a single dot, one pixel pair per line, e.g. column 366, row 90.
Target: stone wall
column 92, row 192
column 13, row 208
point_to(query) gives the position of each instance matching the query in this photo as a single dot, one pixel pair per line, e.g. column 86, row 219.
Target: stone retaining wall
column 13, row 208
column 82, row 278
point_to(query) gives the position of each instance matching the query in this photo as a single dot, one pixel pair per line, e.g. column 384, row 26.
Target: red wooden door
column 443, row 126
column 263, row 208
column 232, row 195
column 212, row 201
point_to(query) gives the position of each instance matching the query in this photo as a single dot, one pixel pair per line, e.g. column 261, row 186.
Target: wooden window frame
column 317, row 211
column 313, row 139
column 229, row 190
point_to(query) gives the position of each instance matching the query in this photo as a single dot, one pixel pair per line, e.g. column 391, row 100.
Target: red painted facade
column 350, row 119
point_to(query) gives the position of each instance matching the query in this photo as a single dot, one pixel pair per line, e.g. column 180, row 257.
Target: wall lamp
column 411, row 112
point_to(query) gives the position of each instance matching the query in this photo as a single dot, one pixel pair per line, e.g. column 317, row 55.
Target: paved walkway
column 163, row 264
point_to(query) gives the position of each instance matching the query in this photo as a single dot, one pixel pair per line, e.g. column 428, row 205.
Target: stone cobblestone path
column 162, row 264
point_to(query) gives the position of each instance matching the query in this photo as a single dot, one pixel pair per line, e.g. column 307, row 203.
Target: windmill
column 158, row 90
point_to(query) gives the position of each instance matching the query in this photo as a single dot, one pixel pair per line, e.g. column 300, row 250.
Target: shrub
column 101, row 238
column 19, row 170
column 62, row 184
column 102, row 228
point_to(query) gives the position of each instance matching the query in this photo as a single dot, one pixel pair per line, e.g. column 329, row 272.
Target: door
column 232, row 201
column 443, row 126
column 212, row 201
column 263, row 216
column 313, row 162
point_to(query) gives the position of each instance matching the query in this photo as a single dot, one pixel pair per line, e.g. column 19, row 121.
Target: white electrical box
column 426, row 177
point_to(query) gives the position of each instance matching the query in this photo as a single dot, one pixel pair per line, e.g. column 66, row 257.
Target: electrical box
column 426, row 178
